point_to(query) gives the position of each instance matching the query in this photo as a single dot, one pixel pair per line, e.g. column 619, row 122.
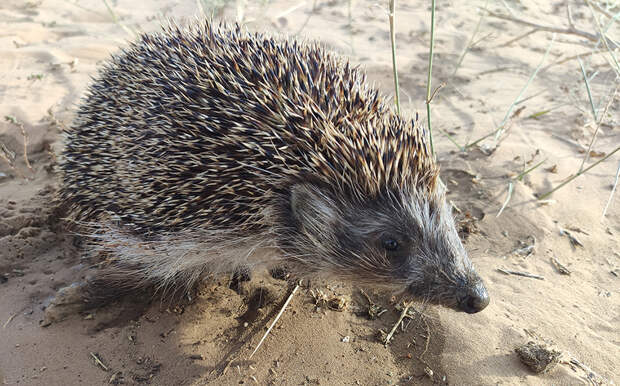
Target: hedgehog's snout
column 473, row 299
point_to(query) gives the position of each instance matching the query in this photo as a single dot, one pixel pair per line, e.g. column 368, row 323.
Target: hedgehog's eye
column 390, row 244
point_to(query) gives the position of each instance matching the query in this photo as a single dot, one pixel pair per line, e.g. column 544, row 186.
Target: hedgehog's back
column 187, row 129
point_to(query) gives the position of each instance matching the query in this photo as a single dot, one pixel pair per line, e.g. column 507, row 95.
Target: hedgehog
column 207, row 149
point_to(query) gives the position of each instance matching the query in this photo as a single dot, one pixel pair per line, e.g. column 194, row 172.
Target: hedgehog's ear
column 311, row 206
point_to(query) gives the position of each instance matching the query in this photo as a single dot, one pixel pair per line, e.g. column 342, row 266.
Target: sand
column 48, row 51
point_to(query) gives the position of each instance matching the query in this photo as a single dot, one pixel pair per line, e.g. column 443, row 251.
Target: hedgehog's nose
column 475, row 300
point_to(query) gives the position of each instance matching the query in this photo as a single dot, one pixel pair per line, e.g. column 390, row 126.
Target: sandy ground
column 50, row 48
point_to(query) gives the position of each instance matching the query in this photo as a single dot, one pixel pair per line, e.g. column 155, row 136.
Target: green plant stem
column 451, row 138
column 523, row 90
column 578, row 174
column 430, row 72
column 595, row 115
column 392, row 16
column 522, row 174
column 508, row 197
column 117, row 20
column 500, row 129
column 587, row 82
column 604, row 39
column 471, row 40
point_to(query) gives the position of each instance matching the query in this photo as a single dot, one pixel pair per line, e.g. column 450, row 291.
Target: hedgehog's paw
column 68, row 301
column 280, row 272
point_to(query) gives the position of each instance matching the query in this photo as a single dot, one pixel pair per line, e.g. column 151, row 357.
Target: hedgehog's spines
column 205, row 124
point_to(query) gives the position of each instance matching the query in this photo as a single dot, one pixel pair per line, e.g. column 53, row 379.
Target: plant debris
column 560, row 267
column 538, row 357
column 334, row 302
column 574, row 241
column 98, row 361
column 525, row 248
column 519, row 273
column 374, row 311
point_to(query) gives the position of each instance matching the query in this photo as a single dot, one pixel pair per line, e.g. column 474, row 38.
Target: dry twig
column 19, row 124
column 560, row 267
column 574, row 241
column 290, row 297
column 519, row 273
column 598, row 119
column 403, row 314
column 9, row 320
column 613, row 190
column 571, row 30
column 98, row 361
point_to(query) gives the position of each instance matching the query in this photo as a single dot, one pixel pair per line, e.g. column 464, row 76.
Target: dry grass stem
column 392, row 17
column 560, row 267
column 508, row 197
column 574, row 241
column 572, row 177
column 610, row 46
column 426, row 343
column 98, row 361
column 429, row 77
column 596, row 6
column 116, row 20
column 307, row 20
column 19, row 124
column 501, row 127
column 470, row 43
column 289, row 10
column 613, row 190
column 403, row 314
column 9, row 320
column 288, row 300
column 597, row 119
column 509, row 42
column 520, row 273
column 572, row 57
column 7, row 155
column 571, row 30
column 588, row 374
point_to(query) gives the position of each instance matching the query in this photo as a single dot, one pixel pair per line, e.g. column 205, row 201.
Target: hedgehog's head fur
column 404, row 240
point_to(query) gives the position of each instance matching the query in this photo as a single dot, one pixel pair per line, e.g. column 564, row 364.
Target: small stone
column 538, row 357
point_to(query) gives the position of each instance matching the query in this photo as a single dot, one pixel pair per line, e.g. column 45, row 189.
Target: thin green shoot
column 597, row 122
column 501, row 128
column 587, row 82
column 305, row 23
column 508, row 197
column 471, row 40
column 538, row 114
column 616, row 65
column 524, row 173
column 511, row 185
column 572, row 177
column 116, row 20
column 451, row 138
column 392, row 16
column 428, row 81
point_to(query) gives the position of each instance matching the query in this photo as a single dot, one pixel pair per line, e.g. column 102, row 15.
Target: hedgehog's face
column 400, row 240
